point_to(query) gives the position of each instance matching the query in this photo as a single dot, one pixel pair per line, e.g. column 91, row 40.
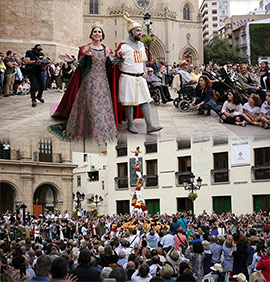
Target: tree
column 219, row 51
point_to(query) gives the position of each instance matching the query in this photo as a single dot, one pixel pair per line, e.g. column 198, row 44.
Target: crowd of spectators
column 180, row 247
column 14, row 78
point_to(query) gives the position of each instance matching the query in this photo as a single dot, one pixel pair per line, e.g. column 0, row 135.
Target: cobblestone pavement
column 18, row 119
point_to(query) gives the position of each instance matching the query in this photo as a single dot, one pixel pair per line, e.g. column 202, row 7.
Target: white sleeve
column 238, row 110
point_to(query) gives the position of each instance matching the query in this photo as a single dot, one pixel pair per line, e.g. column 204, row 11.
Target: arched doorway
column 46, row 197
column 7, row 197
column 157, row 51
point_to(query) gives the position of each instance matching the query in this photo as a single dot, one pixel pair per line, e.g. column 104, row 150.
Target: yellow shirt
column 195, row 76
column 2, row 67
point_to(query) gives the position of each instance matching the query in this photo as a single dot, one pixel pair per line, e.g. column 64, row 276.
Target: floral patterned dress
column 92, row 115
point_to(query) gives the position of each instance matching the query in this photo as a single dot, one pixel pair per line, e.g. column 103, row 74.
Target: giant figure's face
column 138, row 34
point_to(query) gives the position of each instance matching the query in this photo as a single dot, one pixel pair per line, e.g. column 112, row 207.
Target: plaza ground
column 19, row 120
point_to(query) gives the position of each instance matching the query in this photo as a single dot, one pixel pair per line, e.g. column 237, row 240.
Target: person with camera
column 33, row 60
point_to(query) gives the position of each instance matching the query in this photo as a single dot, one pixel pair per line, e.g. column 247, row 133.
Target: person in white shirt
column 252, row 110
column 142, row 274
column 167, row 241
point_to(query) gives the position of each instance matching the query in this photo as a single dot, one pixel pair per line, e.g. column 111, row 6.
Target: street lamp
column 96, row 199
column 148, row 24
column 79, row 198
column 189, row 185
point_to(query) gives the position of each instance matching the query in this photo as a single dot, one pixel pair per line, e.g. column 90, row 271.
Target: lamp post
column 79, row 198
column 148, row 24
column 189, row 185
column 96, row 199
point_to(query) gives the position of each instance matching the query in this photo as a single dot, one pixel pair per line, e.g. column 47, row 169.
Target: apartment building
column 235, row 175
column 214, row 13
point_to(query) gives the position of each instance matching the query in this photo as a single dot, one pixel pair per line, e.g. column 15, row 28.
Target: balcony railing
column 50, row 158
column 261, row 172
column 220, row 175
column 181, row 175
column 10, row 155
column 121, row 182
column 151, row 180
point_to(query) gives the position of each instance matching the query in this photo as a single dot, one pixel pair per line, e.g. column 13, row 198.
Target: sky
column 242, row 7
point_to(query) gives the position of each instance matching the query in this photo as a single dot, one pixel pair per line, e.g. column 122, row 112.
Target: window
column 151, row 170
column 186, row 13
column 93, row 175
column 214, row 12
column 214, row 4
column 115, row 33
column 222, row 204
column 220, row 172
column 214, row 19
column 122, row 207
column 220, row 140
column 93, row 7
column 122, row 179
column 150, row 147
column 183, row 144
column 79, row 181
column 121, row 150
column 261, row 170
column 184, row 205
column 85, row 158
column 45, row 150
column 153, row 206
column 214, row 25
column 261, row 202
column 184, row 168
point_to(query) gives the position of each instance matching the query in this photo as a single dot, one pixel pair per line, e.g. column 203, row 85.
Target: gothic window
column 186, row 13
column 93, row 7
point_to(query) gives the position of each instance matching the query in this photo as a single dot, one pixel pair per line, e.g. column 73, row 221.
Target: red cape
column 117, row 107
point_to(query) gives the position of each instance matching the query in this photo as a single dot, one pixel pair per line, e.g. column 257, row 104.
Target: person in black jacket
column 84, row 271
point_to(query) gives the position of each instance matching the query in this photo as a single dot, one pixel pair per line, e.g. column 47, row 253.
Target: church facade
column 176, row 25
column 62, row 25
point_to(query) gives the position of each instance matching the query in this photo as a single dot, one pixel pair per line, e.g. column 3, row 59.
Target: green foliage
column 192, row 196
column 259, row 41
column 148, row 39
column 219, row 51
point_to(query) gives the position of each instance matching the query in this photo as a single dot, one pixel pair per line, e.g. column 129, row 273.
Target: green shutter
column 227, row 204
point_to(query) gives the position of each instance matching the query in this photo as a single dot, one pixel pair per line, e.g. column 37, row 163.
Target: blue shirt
column 38, row 279
column 183, row 223
column 216, row 252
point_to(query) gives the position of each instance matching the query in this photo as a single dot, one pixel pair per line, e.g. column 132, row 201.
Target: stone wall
column 56, row 24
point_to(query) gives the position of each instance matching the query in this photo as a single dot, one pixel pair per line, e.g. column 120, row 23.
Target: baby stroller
column 155, row 93
column 185, row 96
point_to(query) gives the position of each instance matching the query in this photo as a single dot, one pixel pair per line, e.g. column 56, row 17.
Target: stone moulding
column 164, row 13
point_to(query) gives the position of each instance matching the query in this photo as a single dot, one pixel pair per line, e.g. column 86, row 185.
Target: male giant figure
column 133, row 89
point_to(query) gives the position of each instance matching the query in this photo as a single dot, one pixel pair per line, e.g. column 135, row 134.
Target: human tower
column 138, row 206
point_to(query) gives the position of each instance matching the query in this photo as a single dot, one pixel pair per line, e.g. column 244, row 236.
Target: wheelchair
column 155, row 94
column 185, row 96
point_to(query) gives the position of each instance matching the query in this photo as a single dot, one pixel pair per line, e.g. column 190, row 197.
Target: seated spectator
column 156, row 83
column 21, row 90
column 53, row 84
column 263, row 73
column 251, row 110
column 203, row 98
column 232, row 110
column 196, row 74
column 265, row 111
column 249, row 82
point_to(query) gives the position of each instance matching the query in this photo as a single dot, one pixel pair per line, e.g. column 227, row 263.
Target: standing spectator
column 33, row 60
column 152, row 239
column 43, row 267
column 66, row 75
column 215, row 250
column 263, row 73
column 180, row 240
column 227, row 248
column 174, row 226
column 9, row 74
column 264, row 264
column 2, row 72
column 167, row 241
column 142, row 274
column 6, row 150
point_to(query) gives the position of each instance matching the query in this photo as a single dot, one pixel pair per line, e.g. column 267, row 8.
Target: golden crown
column 129, row 22
column 97, row 24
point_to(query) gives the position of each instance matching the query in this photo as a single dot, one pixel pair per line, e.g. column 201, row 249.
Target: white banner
column 240, row 151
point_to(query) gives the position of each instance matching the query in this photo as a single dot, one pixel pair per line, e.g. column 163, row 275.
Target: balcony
column 13, row 155
column 121, row 182
column 180, row 176
column 151, row 180
column 260, row 172
column 220, row 176
column 50, row 158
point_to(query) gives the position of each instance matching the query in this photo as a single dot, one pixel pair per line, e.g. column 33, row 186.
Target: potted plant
column 192, row 196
